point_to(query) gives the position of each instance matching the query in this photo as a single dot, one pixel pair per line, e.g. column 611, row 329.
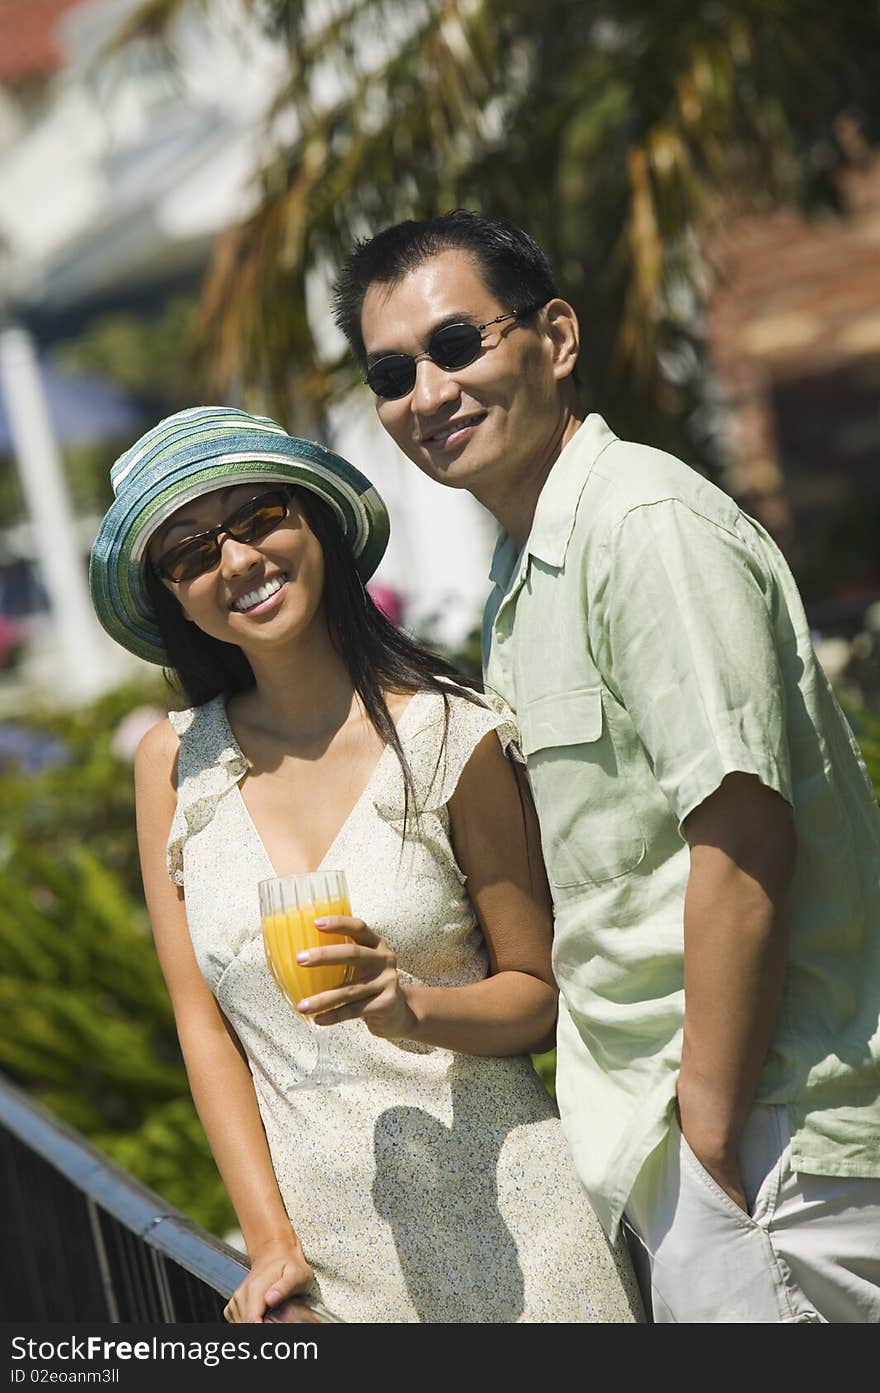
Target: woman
column 318, row 734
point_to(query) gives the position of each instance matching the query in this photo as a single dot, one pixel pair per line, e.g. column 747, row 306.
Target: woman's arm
column 495, row 835
column 219, row 1077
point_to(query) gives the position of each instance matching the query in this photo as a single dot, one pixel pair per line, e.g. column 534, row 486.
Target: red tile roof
column 28, row 48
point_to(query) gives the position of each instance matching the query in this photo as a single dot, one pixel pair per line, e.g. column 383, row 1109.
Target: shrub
column 85, row 1019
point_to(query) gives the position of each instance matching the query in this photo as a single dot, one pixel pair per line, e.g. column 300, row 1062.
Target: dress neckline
column 388, row 753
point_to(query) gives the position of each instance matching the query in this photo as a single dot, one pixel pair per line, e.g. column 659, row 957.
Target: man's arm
column 687, row 638
column 742, row 843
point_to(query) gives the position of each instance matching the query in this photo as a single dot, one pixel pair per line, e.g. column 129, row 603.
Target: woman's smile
column 257, row 599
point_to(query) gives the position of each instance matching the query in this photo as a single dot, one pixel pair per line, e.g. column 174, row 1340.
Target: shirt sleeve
column 684, row 635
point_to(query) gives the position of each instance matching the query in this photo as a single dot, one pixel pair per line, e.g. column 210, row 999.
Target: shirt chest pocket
column 590, row 831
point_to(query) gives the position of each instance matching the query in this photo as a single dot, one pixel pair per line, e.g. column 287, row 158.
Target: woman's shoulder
column 446, row 728
column 472, row 714
column 452, row 697
column 157, row 747
column 164, row 745
column 208, row 713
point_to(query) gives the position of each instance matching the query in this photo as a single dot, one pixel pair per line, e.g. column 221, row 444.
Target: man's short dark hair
column 512, row 264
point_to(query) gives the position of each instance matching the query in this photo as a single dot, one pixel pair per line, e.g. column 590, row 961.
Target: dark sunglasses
column 249, row 523
column 452, row 346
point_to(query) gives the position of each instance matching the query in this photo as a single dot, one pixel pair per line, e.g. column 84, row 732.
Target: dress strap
column 209, row 765
column 439, row 742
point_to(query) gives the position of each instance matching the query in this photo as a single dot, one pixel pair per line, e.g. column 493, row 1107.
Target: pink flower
column 388, row 601
column 132, row 728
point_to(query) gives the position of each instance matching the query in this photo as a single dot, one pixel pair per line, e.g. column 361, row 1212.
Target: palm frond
column 616, row 132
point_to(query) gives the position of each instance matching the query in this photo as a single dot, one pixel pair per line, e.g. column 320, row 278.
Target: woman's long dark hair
column 377, row 654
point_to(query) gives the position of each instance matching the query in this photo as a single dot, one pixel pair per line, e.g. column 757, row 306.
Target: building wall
column 29, row 47
column 794, row 333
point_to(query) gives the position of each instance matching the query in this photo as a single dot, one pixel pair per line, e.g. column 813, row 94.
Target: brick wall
column 794, row 336
column 28, row 48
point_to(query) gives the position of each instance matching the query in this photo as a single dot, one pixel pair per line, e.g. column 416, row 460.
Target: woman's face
column 257, row 594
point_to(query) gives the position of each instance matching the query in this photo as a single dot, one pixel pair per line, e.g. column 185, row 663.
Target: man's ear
column 562, row 328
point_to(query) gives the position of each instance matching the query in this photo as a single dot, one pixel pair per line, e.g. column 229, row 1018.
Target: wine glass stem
column 323, row 1047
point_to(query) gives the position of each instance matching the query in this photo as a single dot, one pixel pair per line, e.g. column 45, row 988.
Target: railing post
column 150, row 1261
column 103, row 1263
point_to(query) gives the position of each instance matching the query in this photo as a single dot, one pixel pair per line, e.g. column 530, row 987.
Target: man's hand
column 724, row 1170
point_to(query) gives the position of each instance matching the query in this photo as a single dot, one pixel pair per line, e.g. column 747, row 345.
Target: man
column 710, row 834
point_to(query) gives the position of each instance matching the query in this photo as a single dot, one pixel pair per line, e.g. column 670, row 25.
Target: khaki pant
column 808, row 1250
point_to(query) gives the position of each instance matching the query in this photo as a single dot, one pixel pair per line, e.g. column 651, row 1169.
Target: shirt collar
column 504, row 559
column 557, row 503
column 554, row 517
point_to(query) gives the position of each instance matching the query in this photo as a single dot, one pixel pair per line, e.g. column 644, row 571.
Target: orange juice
column 287, row 933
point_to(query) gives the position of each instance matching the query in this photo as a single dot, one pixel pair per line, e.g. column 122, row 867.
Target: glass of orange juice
column 289, row 906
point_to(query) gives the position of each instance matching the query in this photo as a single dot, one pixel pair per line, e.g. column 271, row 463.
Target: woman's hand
column 276, row 1273
column 373, row 991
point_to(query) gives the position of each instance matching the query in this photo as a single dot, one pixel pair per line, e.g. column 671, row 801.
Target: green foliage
column 170, row 1154
column 870, row 744
column 12, row 504
column 618, row 132
column 87, row 472
column 148, row 355
column 85, row 1019
column 81, row 982
column 866, row 726
column 89, row 801
column 545, row 1064
column 144, row 354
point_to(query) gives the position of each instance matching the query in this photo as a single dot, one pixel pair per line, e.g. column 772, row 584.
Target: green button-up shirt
column 651, row 640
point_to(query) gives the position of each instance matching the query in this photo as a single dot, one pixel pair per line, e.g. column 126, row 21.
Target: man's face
column 480, row 427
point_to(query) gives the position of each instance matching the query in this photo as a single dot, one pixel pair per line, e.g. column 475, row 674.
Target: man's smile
column 451, row 432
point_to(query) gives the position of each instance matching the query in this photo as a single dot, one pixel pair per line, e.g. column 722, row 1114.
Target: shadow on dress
column 436, row 1188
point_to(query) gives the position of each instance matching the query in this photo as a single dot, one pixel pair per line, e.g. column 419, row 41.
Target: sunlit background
column 179, row 181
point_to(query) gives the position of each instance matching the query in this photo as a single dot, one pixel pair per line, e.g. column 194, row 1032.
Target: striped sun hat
column 192, row 453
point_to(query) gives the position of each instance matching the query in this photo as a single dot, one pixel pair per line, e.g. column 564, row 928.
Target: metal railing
column 84, row 1241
